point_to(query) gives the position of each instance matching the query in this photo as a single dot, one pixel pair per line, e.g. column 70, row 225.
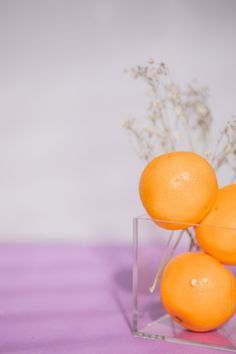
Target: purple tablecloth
column 71, row 299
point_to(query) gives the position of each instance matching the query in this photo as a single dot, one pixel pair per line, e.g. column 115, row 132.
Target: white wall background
column 67, row 171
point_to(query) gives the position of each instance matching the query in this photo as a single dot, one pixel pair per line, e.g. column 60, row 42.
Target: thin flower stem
column 165, row 258
column 162, row 262
column 188, row 134
column 191, row 239
column 218, row 142
column 164, row 125
column 176, row 244
column 185, row 118
column 233, row 177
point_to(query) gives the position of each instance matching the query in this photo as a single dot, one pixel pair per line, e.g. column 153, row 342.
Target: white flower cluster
column 175, row 117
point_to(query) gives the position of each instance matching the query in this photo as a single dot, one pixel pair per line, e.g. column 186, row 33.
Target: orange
column 178, row 186
column 198, row 291
column 217, row 241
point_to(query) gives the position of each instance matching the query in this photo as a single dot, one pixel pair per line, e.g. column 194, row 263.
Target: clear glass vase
column 153, row 247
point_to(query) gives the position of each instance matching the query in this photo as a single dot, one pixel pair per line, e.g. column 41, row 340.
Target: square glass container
column 153, row 247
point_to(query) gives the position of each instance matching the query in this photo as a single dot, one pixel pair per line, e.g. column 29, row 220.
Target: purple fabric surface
column 71, row 300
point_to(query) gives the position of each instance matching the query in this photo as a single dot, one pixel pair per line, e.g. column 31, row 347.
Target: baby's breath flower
column 129, row 123
column 170, row 107
column 151, row 61
column 201, row 109
column 173, row 92
column 158, row 103
column 151, row 92
column 135, row 72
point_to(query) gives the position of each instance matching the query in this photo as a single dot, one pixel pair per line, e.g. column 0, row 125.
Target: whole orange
column 178, row 186
column 220, row 239
column 198, row 291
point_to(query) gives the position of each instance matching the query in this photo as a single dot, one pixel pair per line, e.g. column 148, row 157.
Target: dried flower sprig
column 225, row 149
column 178, row 119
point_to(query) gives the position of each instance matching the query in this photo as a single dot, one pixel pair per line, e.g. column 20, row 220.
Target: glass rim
column 187, row 224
